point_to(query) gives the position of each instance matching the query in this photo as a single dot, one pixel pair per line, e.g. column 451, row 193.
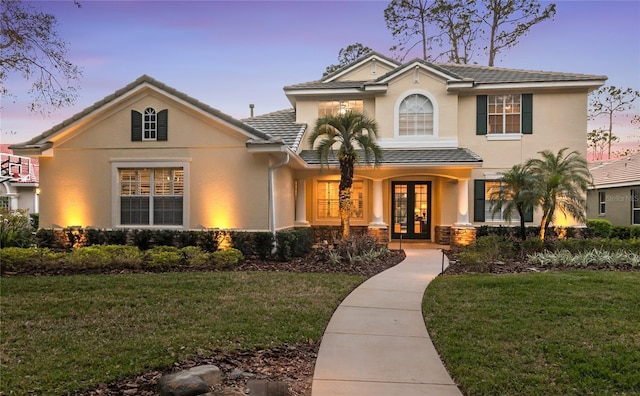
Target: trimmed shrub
column 116, row 237
column 620, row 232
column 263, row 242
column 599, row 228
column 142, row 239
column 294, row 243
column 243, row 241
column 15, row 259
column 163, row 237
column 94, row 236
column 162, row 257
column 196, row 257
column 227, row 259
column 634, row 231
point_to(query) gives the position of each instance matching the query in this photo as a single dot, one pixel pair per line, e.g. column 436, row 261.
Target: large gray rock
column 183, row 383
column 209, row 373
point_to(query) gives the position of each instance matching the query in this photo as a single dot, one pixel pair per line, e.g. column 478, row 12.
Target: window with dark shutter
column 478, row 200
column 527, row 114
column 481, row 115
column 163, row 121
column 136, row 126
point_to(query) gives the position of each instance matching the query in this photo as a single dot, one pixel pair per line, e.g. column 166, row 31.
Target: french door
column 411, row 206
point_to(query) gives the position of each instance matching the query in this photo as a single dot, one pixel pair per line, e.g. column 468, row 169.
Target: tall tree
column 562, row 182
column 459, row 29
column 408, row 21
column 516, row 192
column 597, row 141
column 607, row 101
column 347, row 55
column 508, row 20
column 31, row 47
column 355, row 134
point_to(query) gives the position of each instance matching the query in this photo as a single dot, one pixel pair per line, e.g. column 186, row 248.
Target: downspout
column 272, row 203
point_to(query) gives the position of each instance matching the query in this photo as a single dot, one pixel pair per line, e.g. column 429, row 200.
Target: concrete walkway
column 376, row 342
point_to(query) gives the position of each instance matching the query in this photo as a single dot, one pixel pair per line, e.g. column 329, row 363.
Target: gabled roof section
column 359, row 62
column 466, row 77
column 619, row 173
column 42, row 141
column 399, row 157
column 280, row 125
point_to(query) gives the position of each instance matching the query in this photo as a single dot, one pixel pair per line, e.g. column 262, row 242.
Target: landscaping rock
column 183, row 383
column 267, row 388
column 208, row 373
column 237, row 373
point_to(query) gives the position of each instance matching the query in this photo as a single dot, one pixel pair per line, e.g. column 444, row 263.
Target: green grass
column 558, row 333
column 61, row 334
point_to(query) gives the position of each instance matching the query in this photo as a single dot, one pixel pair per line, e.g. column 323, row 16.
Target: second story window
column 504, row 114
column 415, row 116
column 335, row 107
column 150, row 125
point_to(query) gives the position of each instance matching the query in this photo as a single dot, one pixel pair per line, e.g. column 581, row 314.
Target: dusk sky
column 231, row 54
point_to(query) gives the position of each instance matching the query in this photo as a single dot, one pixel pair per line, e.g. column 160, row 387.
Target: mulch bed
column 293, row 364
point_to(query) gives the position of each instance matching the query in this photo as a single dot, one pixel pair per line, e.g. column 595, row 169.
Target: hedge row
column 98, row 258
column 291, row 243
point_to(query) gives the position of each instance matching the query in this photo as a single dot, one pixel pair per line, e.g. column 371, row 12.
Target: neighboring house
column 615, row 195
column 151, row 156
column 18, row 181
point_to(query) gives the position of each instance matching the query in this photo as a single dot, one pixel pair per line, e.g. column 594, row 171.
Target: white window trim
column 354, row 221
column 510, row 135
column 602, row 201
column 504, row 136
column 153, row 130
column 495, row 177
column 396, row 117
column 117, row 164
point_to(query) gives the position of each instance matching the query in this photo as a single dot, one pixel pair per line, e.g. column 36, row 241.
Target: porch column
column 377, row 221
column 463, row 203
column 301, row 204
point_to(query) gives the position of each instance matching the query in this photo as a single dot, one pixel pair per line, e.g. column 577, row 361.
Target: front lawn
column 556, row 333
column 61, row 334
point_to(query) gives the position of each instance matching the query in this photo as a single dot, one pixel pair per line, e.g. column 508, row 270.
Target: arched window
column 150, row 124
column 415, row 116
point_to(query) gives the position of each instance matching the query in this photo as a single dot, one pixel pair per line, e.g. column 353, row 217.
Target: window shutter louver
column 481, row 115
column 136, row 126
column 478, row 200
column 163, row 121
column 527, row 114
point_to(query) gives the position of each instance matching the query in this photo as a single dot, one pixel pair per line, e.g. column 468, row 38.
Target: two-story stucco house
column 151, row 156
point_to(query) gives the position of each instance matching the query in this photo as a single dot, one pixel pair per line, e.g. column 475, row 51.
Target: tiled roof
column 42, row 139
column 280, row 125
column 623, row 171
column 486, row 74
column 410, row 157
column 473, row 73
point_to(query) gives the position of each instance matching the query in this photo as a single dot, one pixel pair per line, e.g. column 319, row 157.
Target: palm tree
column 562, row 183
column 355, row 133
column 516, row 191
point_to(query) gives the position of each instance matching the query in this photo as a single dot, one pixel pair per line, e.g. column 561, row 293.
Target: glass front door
column 411, row 205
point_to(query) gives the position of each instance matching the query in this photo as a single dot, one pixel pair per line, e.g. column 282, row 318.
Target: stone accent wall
column 331, row 234
column 443, row 235
column 462, row 236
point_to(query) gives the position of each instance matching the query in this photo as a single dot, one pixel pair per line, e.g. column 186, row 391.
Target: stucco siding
column 618, row 205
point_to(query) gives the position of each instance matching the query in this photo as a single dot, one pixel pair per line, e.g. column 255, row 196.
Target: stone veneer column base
column 381, row 234
column 462, row 236
column 443, row 235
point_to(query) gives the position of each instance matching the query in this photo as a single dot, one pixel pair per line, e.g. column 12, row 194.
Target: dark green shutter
column 527, row 114
column 528, row 215
column 478, row 200
column 481, row 115
column 163, row 120
column 136, row 126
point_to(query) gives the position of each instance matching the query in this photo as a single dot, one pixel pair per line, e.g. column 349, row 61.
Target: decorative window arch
column 150, row 125
column 416, row 115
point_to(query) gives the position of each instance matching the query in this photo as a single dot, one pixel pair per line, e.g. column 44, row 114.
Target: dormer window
column 150, row 124
column 415, row 116
column 335, row 107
